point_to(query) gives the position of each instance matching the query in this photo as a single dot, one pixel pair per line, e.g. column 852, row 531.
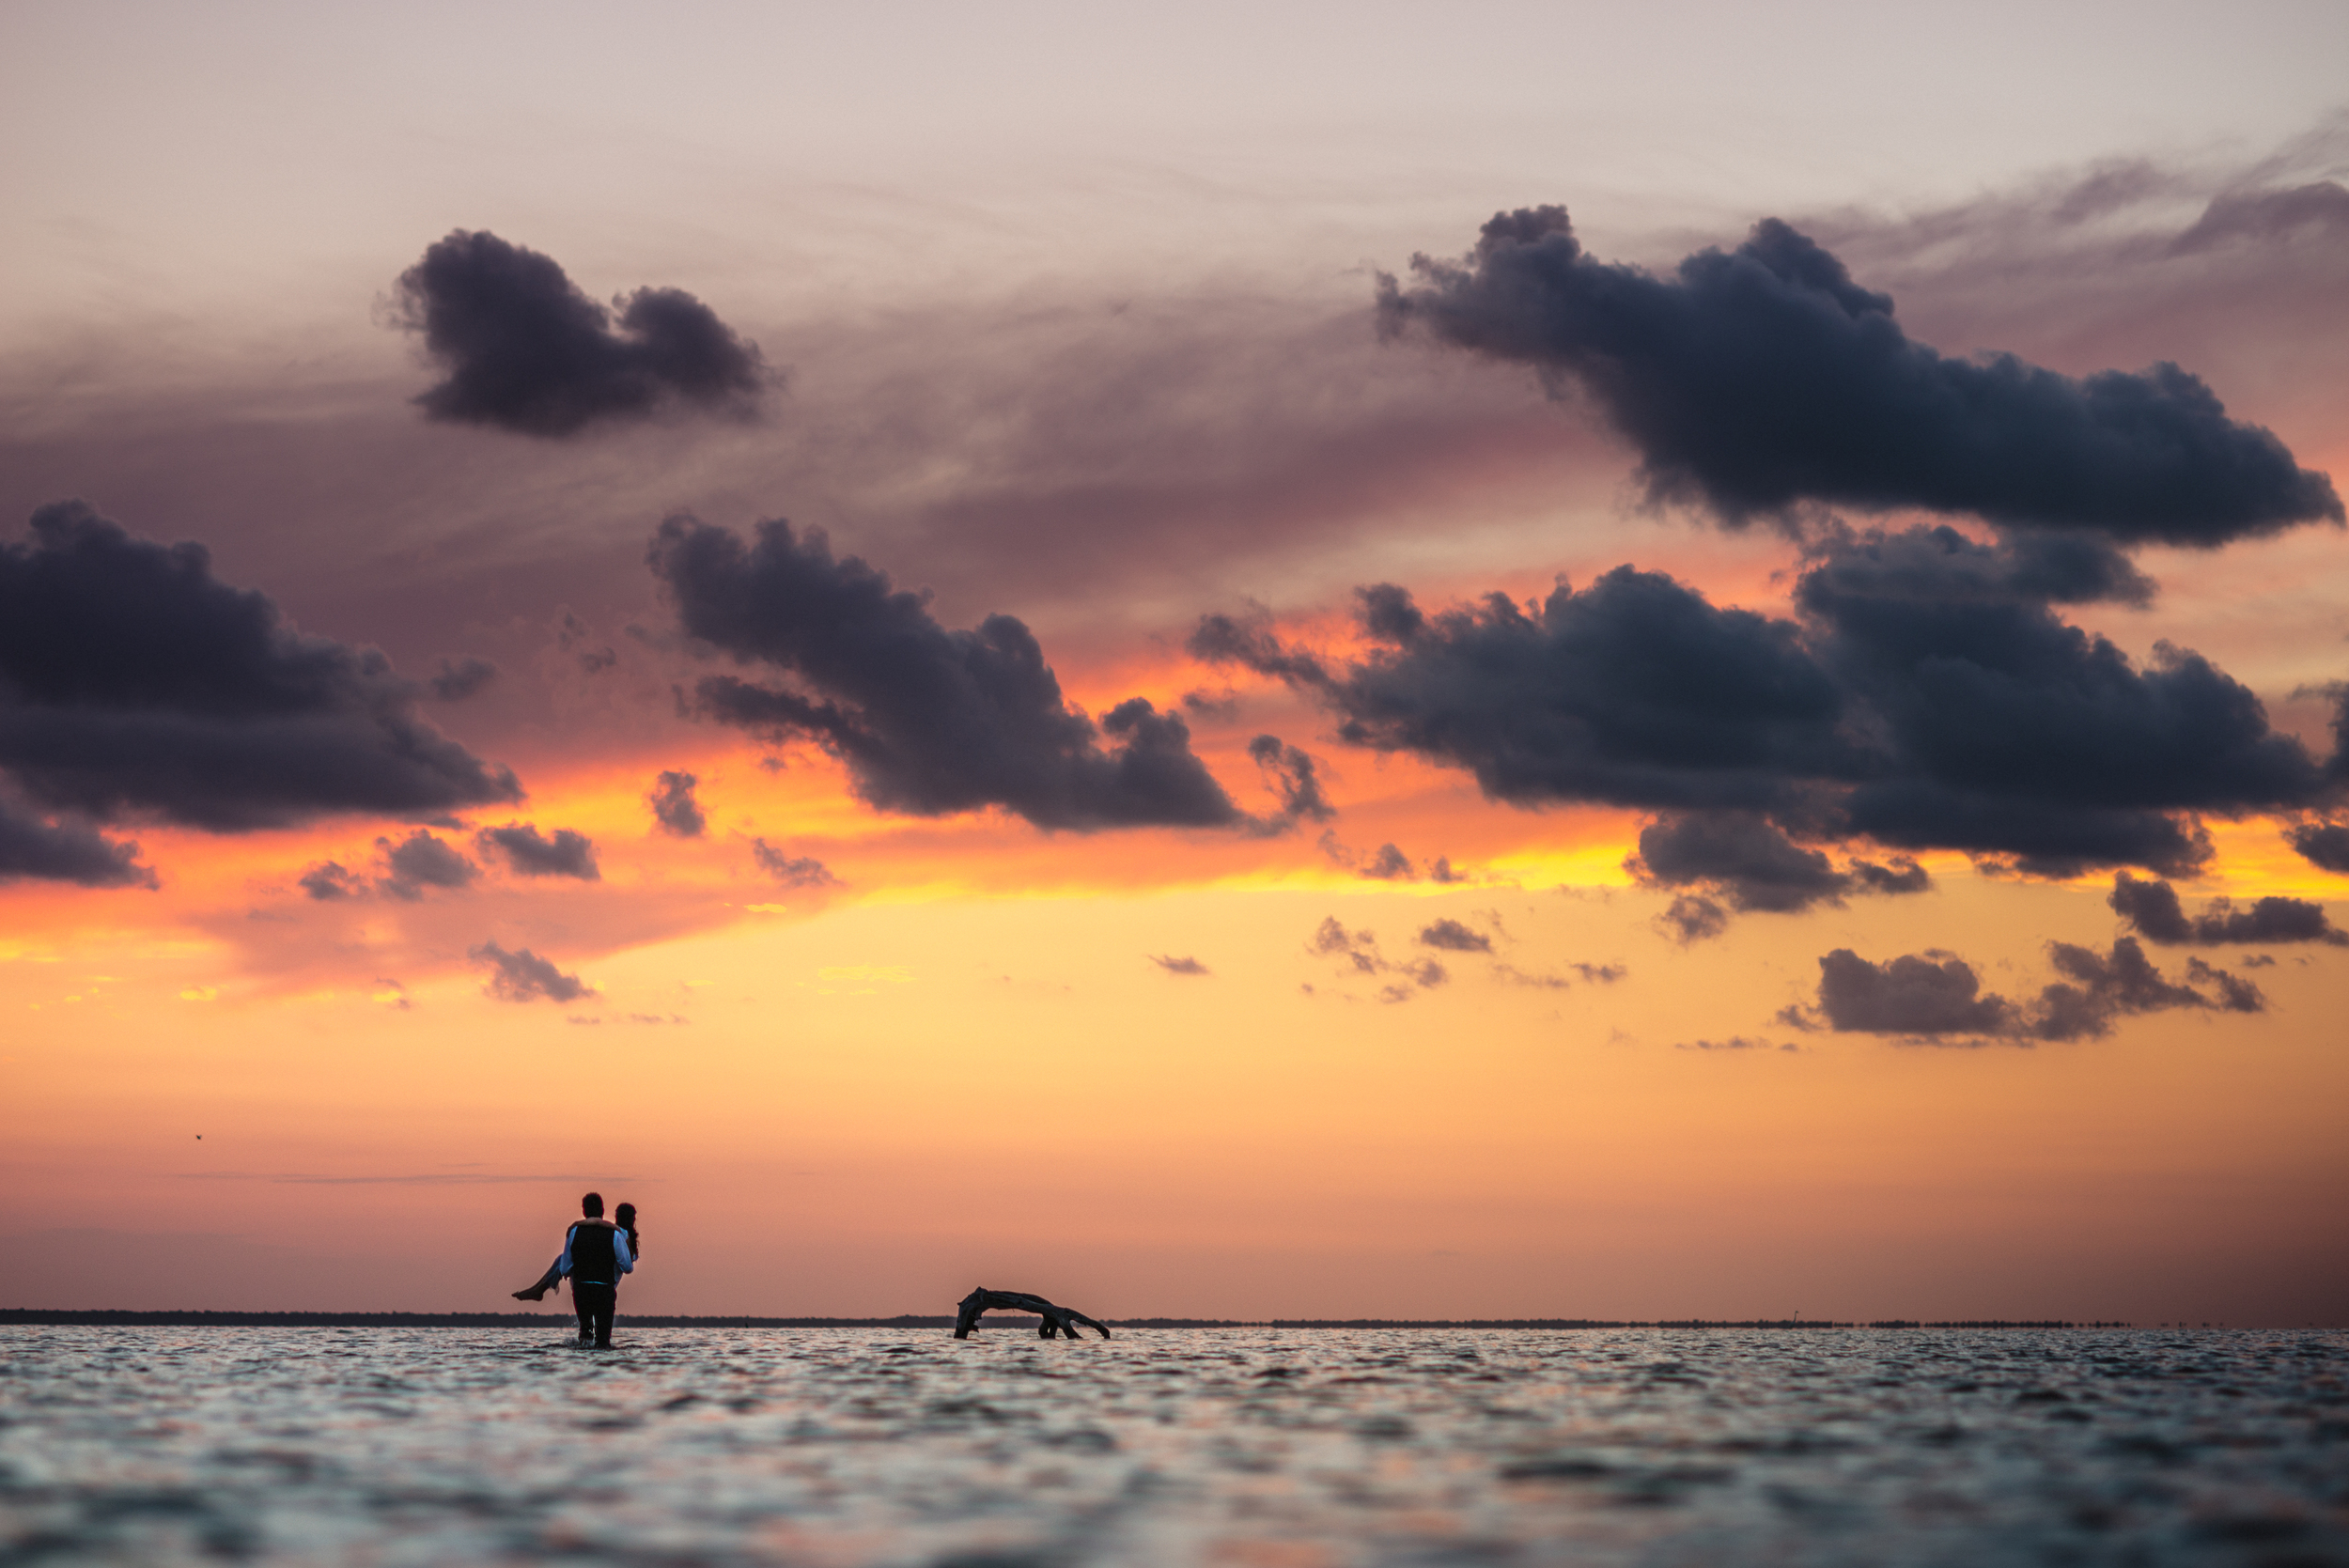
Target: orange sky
column 1094, row 349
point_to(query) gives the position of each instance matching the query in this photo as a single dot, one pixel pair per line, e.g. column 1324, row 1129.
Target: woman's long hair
column 625, row 1216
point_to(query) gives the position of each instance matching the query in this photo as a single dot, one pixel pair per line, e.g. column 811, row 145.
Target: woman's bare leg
column 546, row 1282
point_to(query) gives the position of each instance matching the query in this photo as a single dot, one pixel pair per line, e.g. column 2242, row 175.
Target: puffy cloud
column 2100, row 987
column 1386, row 863
column 332, row 879
column 2153, row 910
column 1937, row 996
column 134, row 683
column 67, row 851
column 1929, row 698
column 674, row 806
column 791, row 871
column 419, row 862
column 1632, row 691
column 929, row 720
column 1914, row 994
column 1332, row 940
column 1360, row 949
column 1189, row 967
column 1291, row 773
column 524, row 976
column 2012, row 732
column 1455, row 937
column 526, row 351
column 1902, row 876
column 2322, row 844
column 532, row 854
column 1693, row 918
column 1764, row 379
column 1750, row 860
column 462, row 679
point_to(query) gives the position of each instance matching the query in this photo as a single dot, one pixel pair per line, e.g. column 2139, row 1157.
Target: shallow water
column 1252, row 1448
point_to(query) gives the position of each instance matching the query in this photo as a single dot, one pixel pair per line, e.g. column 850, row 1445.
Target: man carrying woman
column 596, row 1252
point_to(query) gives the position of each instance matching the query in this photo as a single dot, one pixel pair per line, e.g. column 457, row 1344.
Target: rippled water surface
column 1254, row 1448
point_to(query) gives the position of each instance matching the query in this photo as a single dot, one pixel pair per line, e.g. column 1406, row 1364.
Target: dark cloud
column 462, row 679
column 2235, row 994
column 674, row 806
column 1441, row 872
column 2153, row 910
column 928, row 722
column 1902, row 876
column 526, row 351
column 524, row 976
column 1360, row 949
column 1764, row 379
column 1693, row 918
column 531, row 854
column 2011, row 732
column 1633, row 692
column 1929, row 698
column 1914, row 994
column 1386, row 863
column 1753, row 863
column 2098, row 989
column 1332, row 940
column 2322, row 844
column 67, row 851
column 1735, row 1042
column 1179, row 966
column 1940, row 566
column 1293, row 779
column 1455, row 937
column 1388, row 615
column 791, row 871
column 2321, row 208
column 332, row 879
column 421, row 861
column 134, row 683
column 1936, row 996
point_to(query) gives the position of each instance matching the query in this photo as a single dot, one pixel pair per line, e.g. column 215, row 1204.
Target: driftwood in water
column 1062, row 1320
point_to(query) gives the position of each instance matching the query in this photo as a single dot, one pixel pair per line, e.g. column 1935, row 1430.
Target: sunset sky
column 1491, row 660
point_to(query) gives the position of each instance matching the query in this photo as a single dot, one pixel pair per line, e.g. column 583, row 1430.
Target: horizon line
column 232, row 1317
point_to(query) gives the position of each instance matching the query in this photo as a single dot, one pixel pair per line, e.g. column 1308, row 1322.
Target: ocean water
column 1238, row 1448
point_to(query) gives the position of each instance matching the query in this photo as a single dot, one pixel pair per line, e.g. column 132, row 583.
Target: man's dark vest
column 592, row 1259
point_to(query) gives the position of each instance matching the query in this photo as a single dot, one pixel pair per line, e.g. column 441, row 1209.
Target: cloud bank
column 1928, row 697
column 136, row 686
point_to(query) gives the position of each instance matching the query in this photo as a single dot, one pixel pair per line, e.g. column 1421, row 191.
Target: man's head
column 592, row 1205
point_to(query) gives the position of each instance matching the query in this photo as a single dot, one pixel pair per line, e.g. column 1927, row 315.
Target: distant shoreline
column 108, row 1317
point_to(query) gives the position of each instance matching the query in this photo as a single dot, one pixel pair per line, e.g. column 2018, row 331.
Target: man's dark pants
column 594, row 1304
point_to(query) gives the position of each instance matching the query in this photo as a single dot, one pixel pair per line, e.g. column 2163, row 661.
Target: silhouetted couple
column 596, row 1252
